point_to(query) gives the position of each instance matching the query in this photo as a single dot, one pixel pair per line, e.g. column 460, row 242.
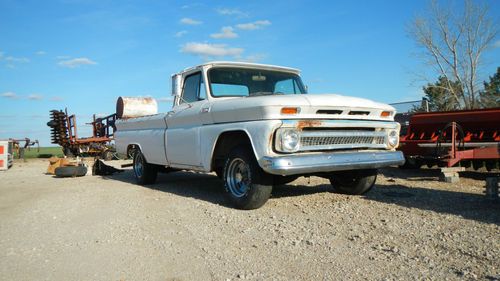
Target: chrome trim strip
column 346, row 133
column 322, row 123
column 340, row 146
column 298, row 164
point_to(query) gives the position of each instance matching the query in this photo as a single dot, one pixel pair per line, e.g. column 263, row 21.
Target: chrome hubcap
column 238, row 178
column 138, row 166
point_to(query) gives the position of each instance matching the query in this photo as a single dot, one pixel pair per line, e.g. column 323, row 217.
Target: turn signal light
column 290, row 110
column 386, row 114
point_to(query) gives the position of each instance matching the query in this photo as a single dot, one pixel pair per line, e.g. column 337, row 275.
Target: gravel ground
column 409, row 227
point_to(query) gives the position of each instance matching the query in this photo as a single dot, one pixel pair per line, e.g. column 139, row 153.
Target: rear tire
column 355, row 182
column 144, row 172
column 411, row 163
column 107, row 155
column 247, row 185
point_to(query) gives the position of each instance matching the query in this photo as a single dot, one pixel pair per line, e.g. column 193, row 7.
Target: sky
column 84, row 54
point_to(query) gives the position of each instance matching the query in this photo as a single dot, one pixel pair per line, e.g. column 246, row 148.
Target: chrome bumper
column 328, row 162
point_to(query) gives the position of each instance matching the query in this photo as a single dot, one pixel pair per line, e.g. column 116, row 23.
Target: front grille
column 329, row 140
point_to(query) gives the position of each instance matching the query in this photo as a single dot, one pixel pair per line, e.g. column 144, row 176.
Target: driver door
column 184, row 123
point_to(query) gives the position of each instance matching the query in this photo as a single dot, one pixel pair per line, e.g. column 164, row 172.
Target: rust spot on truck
column 308, row 123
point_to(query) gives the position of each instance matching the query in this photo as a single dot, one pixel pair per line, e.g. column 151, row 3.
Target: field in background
column 45, row 152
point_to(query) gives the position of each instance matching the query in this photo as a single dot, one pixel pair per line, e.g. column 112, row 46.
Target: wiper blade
column 261, row 94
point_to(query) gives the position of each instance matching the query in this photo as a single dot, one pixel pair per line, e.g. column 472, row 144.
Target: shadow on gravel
column 434, row 173
column 281, row 191
column 467, row 205
column 187, row 184
column 208, row 187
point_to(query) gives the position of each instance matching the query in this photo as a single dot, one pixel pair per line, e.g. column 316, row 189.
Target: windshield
column 230, row 82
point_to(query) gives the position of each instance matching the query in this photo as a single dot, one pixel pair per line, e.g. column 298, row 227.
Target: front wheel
column 355, row 182
column 247, row 185
column 144, row 172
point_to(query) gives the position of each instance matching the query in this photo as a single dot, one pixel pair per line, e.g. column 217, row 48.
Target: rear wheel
column 107, row 155
column 144, row 172
column 355, row 182
column 411, row 163
column 247, row 185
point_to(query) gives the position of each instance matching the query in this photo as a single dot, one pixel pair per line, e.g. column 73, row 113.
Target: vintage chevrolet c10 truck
column 255, row 126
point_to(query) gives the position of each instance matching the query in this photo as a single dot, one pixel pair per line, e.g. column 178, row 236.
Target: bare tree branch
column 454, row 43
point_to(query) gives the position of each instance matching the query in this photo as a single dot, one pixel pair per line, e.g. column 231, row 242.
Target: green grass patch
column 45, row 152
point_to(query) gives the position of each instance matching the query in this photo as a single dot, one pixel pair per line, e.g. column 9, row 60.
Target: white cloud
column 190, row 21
column 495, row 45
column 226, row 32
column 181, row 33
column 210, row 50
column 231, row 12
column 16, row 59
column 35, row 97
column 41, row 53
column 1, row 55
column 10, row 95
column 76, row 62
column 189, row 6
column 253, row 25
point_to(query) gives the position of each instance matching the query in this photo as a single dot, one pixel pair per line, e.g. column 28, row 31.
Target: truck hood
column 312, row 106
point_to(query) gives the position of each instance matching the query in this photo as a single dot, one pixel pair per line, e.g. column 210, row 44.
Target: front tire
column 144, row 172
column 355, row 182
column 247, row 185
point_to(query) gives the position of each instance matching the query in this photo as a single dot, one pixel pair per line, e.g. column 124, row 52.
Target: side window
column 194, row 89
column 285, row 86
column 203, row 93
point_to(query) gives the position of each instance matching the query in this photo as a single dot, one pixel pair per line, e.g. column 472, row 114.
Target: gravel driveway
column 409, row 227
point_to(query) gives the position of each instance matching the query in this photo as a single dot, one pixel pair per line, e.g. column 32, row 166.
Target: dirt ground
column 411, row 227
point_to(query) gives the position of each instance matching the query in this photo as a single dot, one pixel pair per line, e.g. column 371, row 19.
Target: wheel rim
column 238, row 178
column 138, row 167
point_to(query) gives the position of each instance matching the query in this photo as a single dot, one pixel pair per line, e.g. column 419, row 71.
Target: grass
column 45, row 152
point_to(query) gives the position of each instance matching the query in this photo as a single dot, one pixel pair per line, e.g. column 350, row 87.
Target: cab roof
column 242, row 65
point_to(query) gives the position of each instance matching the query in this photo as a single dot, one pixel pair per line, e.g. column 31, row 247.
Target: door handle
column 205, row 110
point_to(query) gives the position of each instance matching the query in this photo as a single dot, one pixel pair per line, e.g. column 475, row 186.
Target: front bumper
column 298, row 164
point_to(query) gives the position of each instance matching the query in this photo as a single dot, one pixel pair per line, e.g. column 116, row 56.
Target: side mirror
column 176, row 85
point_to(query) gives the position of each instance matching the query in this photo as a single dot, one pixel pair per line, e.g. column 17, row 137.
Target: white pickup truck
column 256, row 126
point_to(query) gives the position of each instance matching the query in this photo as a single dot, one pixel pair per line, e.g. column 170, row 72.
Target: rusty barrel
column 128, row 107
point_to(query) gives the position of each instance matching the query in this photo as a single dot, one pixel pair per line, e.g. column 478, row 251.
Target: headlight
column 393, row 138
column 290, row 140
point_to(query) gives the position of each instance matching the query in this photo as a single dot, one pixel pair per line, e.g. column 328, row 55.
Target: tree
column 490, row 97
column 453, row 44
column 440, row 97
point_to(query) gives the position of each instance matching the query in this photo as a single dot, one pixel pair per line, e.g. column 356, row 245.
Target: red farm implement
column 65, row 133
column 465, row 138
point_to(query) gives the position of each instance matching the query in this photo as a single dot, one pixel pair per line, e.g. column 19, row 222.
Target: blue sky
column 84, row 54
